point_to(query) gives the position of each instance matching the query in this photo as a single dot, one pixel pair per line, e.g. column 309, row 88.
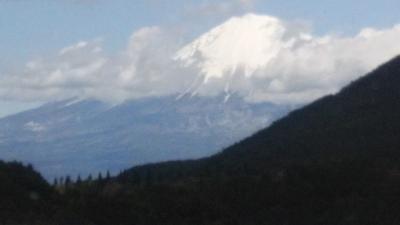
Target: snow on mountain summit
column 263, row 58
column 242, row 44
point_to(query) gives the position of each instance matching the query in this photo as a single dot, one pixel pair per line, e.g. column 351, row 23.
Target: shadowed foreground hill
column 334, row 162
column 26, row 198
column 360, row 122
column 22, row 190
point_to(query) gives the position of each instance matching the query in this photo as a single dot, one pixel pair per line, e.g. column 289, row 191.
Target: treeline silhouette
column 61, row 183
column 334, row 162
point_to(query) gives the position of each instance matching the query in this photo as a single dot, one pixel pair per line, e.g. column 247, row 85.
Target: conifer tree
column 108, row 176
column 61, row 182
column 89, row 178
column 100, row 177
column 67, row 181
column 79, row 180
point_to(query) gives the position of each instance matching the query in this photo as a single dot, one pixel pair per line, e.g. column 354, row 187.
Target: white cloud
column 73, row 48
column 299, row 68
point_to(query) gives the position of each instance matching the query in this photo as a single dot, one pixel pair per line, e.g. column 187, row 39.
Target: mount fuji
column 233, row 58
column 240, row 45
column 90, row 136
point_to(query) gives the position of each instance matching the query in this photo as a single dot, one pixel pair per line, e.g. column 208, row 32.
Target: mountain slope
column 362, row 120
column 81, row 137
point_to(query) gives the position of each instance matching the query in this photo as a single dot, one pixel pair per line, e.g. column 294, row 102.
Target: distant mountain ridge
column 80, row 137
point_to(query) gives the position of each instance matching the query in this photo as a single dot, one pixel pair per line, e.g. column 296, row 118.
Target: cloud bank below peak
column 258, row 57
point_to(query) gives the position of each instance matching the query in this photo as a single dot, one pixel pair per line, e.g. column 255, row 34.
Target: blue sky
column 35, row 28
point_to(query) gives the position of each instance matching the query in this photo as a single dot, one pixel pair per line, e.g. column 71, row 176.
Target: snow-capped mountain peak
column 241, row 44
